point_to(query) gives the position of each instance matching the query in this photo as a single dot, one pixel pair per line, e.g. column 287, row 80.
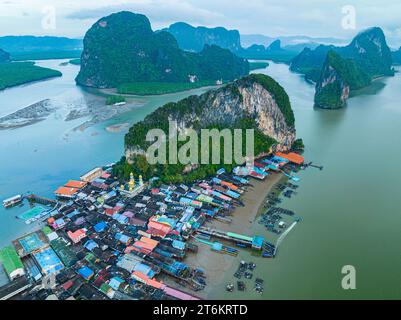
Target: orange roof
column 50, row 220
column 146, row 243
column 150, row 241
column 155, row 284
column 75, row 184
column 229, row 184
column 65, row 191
column 293, row 157
column 158, row 226
column 145, row 279
column 140, row 276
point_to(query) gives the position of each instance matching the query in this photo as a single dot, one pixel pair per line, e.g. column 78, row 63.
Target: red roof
column 77, row 235
column 157, row 233
column 68, row 284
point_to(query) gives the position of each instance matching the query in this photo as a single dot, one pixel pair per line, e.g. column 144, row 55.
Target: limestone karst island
column 185, row 151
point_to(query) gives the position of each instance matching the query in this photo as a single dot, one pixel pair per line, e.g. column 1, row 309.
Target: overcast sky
column 268, row 17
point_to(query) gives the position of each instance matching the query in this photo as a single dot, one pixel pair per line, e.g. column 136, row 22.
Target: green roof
column 105, row 288
column 10, row 259
column 239, row 236
column 46, row 230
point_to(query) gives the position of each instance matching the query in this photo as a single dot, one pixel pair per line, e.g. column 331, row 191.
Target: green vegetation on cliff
column 173, row 173
column 368, row 49
column 206, row 112
column 338, row 77
column 17, row 73
column 122, row 48
column 279, row 95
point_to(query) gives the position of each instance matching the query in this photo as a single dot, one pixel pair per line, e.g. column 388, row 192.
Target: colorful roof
column 86, row 272
column 292, row 156
column 65, row 191
column 75, row 184
column 10, row 260
column 77, row 235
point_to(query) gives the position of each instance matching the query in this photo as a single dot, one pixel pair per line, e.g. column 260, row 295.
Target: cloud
column 270, row 17
column 158, row 11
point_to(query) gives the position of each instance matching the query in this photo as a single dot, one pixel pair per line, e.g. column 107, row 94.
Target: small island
column 17, row 73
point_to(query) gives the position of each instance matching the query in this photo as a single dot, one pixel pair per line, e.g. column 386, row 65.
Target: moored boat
column 7, row 203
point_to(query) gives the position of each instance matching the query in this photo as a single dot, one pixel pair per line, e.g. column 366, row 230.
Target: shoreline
column 113, row 91
column 218, row 266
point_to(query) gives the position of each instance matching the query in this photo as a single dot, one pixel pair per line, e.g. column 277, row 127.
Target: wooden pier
column 40, row 200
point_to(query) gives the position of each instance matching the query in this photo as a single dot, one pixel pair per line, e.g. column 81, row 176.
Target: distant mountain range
column 31, row 43
column 339, row 70
column 122, row 48
column 193, row 39
column 249, row 39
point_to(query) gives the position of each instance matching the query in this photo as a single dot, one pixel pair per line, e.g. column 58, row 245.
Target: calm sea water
column 351, row 209
column 43, row 156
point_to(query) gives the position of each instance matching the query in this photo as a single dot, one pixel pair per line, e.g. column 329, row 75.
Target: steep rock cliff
column 194, row 39
column 256, row 97
column 368, row 49
column 338, row 77
column 122, row 48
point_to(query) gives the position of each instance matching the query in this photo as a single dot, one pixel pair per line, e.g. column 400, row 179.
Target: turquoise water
column 351, row 209
column 43, row 156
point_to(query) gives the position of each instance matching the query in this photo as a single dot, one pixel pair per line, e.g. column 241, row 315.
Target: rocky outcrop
column 368, row 49
column 256, row 97
column 194, row 39
column 332, row 92
column 338, row 77
column 122, row 48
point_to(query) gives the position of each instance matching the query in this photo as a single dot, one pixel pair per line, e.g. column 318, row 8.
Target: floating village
column 100, row 239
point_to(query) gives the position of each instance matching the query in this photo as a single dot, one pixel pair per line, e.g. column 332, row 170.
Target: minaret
column 131, row 182
column 140, row 181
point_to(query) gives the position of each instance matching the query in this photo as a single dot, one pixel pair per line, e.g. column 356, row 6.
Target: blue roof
column 178, row 244
column 86, row 272
column 100, row 227
column 217, row 246
column 143, row 268
column 257, row 241
column 116, row 282
column 90, row 245
column 122, row 237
